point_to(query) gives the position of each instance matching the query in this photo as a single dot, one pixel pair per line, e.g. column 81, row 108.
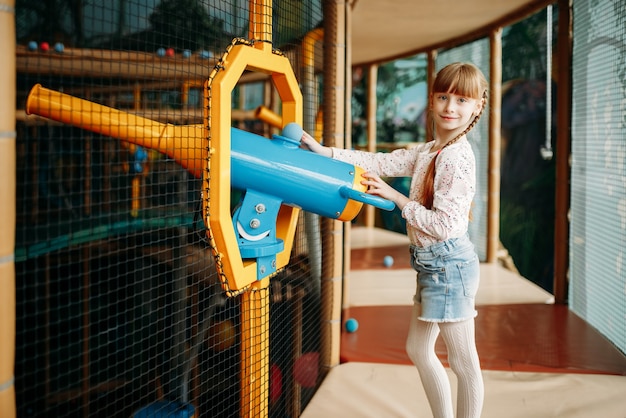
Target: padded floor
column 377, row 390
column 538, row 359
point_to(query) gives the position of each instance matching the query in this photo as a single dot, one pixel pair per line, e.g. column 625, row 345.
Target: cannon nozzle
column 184, row 143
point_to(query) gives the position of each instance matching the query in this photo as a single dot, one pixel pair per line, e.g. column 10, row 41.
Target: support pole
column 495, row 100
column 334, row 135
column 260, row 28
column 372, row 104
column 255, row 352
column 7, row 209
column 431, row 74
column 563, row 150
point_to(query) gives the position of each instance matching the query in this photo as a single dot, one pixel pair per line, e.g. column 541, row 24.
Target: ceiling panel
column 387, row 29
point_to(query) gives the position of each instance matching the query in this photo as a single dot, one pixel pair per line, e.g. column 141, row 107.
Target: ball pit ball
column 161, row 52
column 276, row 383
column 186, row 53
column 293, row 131
column 352, row 325
column 388, row 261
column 306, row 369
column 44, row 46
column 222, row 335
column 32, row 46
column 59, row 47
column 204, row 54
column 169, row 52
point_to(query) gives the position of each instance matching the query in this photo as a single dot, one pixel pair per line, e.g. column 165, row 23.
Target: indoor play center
column 140, row 279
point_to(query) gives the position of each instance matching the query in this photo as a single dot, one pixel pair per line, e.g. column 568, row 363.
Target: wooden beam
column 495, row 123
column 562, row 152
column 372, row 103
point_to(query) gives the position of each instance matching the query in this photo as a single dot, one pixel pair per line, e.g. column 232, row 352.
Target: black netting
column 598, row 169
column 120, row 307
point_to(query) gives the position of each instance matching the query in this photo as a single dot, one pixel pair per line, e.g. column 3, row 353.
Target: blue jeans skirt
column 448, row 274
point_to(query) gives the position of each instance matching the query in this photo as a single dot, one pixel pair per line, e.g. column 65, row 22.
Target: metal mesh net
column 120, row 308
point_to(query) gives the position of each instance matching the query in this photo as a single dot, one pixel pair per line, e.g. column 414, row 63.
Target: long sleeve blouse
column 454, row 184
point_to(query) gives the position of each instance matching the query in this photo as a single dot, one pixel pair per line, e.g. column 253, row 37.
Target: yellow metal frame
column 217, row 212
column 242, row 274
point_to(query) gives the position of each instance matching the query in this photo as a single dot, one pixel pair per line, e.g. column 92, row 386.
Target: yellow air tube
column 184, row 143
column 268, row 116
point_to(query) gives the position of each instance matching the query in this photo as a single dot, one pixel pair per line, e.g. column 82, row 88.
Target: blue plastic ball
column 59, row 47
column 352, row 325
column 388, row 261
column 161, row 52
column 293, row 131
column 32, row 46
column 204, row 54
column 186, row 53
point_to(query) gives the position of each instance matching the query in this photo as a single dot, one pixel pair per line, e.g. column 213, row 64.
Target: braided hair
column 466, row 80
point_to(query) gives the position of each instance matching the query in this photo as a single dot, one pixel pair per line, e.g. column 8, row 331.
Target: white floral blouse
column 455, row 186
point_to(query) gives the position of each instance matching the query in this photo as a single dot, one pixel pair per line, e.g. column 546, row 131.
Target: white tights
column 462, row 357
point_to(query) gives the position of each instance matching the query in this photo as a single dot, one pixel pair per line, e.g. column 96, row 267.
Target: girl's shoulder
column 460, row 146
column 459, row 151
column 422, row 147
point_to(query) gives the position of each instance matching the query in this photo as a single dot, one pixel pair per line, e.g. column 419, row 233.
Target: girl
column 437, row 213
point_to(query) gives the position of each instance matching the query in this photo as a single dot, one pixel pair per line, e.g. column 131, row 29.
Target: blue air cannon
column 275, row 172
column 271, row 173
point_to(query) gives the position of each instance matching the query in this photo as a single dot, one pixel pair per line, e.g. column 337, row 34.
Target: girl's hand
column 376, row 186
column 309, row 143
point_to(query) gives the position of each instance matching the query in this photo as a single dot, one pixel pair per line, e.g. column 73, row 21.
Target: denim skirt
column 448, row 274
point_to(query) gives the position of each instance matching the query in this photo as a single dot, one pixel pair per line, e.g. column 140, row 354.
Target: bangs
column 459, row 79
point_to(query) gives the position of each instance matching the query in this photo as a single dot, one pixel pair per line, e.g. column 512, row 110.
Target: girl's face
column 452, row 112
